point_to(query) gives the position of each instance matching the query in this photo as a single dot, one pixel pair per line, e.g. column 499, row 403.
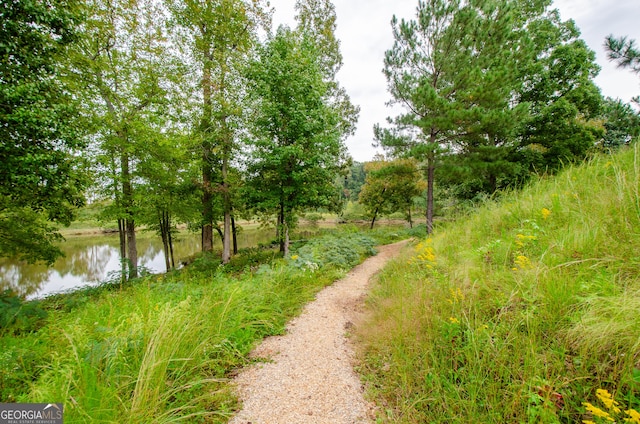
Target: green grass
column 162, row 349
column 520, row 312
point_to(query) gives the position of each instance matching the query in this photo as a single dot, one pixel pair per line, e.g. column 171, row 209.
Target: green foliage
column 17, row 316
column 21, row 362
column 342, row 252
column 522, row 310
column 623, row 51
column 621, row 123
column 353, row 211
column 40, row 179
column 390, row 187
column 565, row 102
column 492, row 91
column 298, row 148
column 354, row 180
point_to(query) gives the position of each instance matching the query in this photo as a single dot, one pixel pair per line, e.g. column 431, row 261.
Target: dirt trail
column 310, row 378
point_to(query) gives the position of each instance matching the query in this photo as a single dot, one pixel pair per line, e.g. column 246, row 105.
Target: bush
column 18, row 316
column 341, row 251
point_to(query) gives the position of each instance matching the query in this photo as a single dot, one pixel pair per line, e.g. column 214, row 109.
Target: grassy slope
column 519, row 313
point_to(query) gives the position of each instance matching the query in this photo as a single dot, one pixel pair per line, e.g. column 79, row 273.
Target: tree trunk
column 207, row 213
column 207, row 154
column 410, row 217
column 164, row 235
column 235, row 235
column 132, row 248
column 281, row 226
column 226, row 200
column 123, row 249
column 430, row 177
column 128, row 203
column 173, row 259
column 373, row 221
column 375, row 214
column 286, row 240
column 220, row 233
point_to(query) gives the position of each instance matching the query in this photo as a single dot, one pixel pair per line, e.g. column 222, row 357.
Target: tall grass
column 161, row 350
column 519, row 313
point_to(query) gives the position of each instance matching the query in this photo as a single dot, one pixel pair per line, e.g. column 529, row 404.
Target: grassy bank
column 162, row 349
column 528, row 311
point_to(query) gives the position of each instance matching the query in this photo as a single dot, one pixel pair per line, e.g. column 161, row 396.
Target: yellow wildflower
column 522, row 262
column 607, row 399
column 597, row 412
column 635, row 416
column 425, row 253
column 588, row 422
column 294, row 257
column 522, row 239
column 454, row 320
column 545, row 213
column 456, row 295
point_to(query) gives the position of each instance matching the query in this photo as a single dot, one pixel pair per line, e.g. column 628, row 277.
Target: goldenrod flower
column 522, row 239
column 522, row 262
column 607, row 399
column 635, row 416
column 597, row 412
column 456, row 295
column 425, row 253
column 545, row 213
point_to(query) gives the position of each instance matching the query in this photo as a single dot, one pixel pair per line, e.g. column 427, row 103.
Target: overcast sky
column 364, row 31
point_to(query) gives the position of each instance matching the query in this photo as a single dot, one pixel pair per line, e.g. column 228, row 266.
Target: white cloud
column 364, row 30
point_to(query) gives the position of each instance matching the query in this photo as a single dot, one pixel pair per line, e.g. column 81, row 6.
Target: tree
column 220, row 35
column 122, row 66
column 390, row 187
column 503, row 87
column 169, row 195
column 621, row 123
column 565, row 102
column 40, row 140
column 354, row 181
column 453, row 69
column 298, row 135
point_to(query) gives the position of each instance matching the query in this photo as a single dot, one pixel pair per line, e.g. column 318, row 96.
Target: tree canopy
column 299, row 128
column 41, row 177
column 491, row 90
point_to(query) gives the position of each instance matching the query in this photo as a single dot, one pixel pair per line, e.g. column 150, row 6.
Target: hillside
column 527, row 311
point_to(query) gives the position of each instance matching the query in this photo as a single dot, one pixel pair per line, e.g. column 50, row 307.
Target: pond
column 90, row 260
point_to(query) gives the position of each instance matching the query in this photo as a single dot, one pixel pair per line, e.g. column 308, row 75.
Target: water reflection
column 90, row 260
column 87, row 261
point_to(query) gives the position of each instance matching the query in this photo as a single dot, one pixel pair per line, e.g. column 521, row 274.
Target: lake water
column 90, row 260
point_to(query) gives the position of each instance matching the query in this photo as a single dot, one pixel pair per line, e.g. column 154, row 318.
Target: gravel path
column 310, row 378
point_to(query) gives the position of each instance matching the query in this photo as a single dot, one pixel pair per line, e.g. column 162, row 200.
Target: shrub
column 343, row 251
column 18, row 316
